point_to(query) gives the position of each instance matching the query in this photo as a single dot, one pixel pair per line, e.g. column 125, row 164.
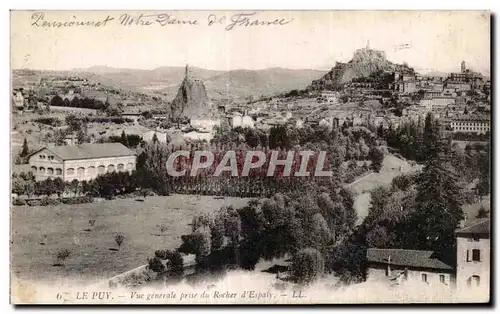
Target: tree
column 433, row 146
column 124, row 139
column 482, row 213
column 25, row 150
column 62, row 255
column 307, row 265
column 377, row 157
column 119, row 240
column 217, row 233
column 80, row 137
column 57, row 101
column 196, row 243
column 438, row 211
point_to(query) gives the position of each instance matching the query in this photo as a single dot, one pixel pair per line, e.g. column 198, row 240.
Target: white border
column 186, row 4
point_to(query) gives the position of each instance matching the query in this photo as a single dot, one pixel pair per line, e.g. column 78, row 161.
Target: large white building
column 81, row 162
column 479, row 124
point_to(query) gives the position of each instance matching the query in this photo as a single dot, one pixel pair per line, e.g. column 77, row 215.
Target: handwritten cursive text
column 245, row 20
column 38, row 20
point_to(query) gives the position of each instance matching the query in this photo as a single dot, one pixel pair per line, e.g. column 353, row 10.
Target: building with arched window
column 470, row 274
column 473, row 255
column 81, row 162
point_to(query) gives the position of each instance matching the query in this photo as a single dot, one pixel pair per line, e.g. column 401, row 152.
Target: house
column 473, row 255
column 18, row 99
column 330, row 96
column 81, row 162
column 205, row 123
column 199, row 136
column 398, row 266
column 437, row 103
column 149, row 135
column 132, row 115
column 243, row 121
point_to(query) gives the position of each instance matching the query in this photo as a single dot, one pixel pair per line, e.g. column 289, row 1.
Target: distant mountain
column 219, row 84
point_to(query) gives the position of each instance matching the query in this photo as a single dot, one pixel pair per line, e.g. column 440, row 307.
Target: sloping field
column 63, row 227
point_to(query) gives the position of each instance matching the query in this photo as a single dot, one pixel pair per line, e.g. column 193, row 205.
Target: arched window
column 41, row 170
column 130, row 166
column 80, row 171
column 50, row 171
column 101, row 169
column 120, row 167
column 111, row 168
column 34, row 169
column 91, row 170
column 58, row 171
column 474, row 281
column 70, row 171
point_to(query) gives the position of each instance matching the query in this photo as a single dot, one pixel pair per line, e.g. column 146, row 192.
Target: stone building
column 397, row 266
column 81, row 162
column 473, row 255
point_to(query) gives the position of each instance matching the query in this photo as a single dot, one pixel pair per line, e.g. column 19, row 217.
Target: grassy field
column 391, row 167
column 63, row 227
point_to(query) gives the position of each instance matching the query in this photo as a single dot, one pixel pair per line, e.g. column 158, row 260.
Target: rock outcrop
column 191, row 99
column 364, row 63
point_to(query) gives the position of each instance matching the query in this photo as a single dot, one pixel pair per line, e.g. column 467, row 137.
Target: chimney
column 388, row 271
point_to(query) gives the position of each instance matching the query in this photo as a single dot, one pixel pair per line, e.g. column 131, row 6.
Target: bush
column 176, row 262
column 196, row 243
column 48, row 202
column 156, row 265
column 33, row 202
column 18, row 202
column 78, row 200
column 307, row 265
column 161, row 254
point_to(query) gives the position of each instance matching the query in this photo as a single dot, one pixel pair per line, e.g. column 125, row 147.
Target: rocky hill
column 191, row 99
column 364, row 63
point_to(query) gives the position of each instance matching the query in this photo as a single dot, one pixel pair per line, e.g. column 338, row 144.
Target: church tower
column 186, row 74
column 463, row 67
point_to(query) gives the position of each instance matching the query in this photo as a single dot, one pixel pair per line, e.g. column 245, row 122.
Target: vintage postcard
column 250, row 157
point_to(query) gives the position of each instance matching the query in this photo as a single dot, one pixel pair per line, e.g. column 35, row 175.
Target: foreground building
column 81, row 162
column 396, row 266
column 470, row 274
column 473, row 255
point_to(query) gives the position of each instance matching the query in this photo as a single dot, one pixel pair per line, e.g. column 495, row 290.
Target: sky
column 426, row 40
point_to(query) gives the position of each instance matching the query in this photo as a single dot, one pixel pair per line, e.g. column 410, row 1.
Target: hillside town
column 408, row 205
